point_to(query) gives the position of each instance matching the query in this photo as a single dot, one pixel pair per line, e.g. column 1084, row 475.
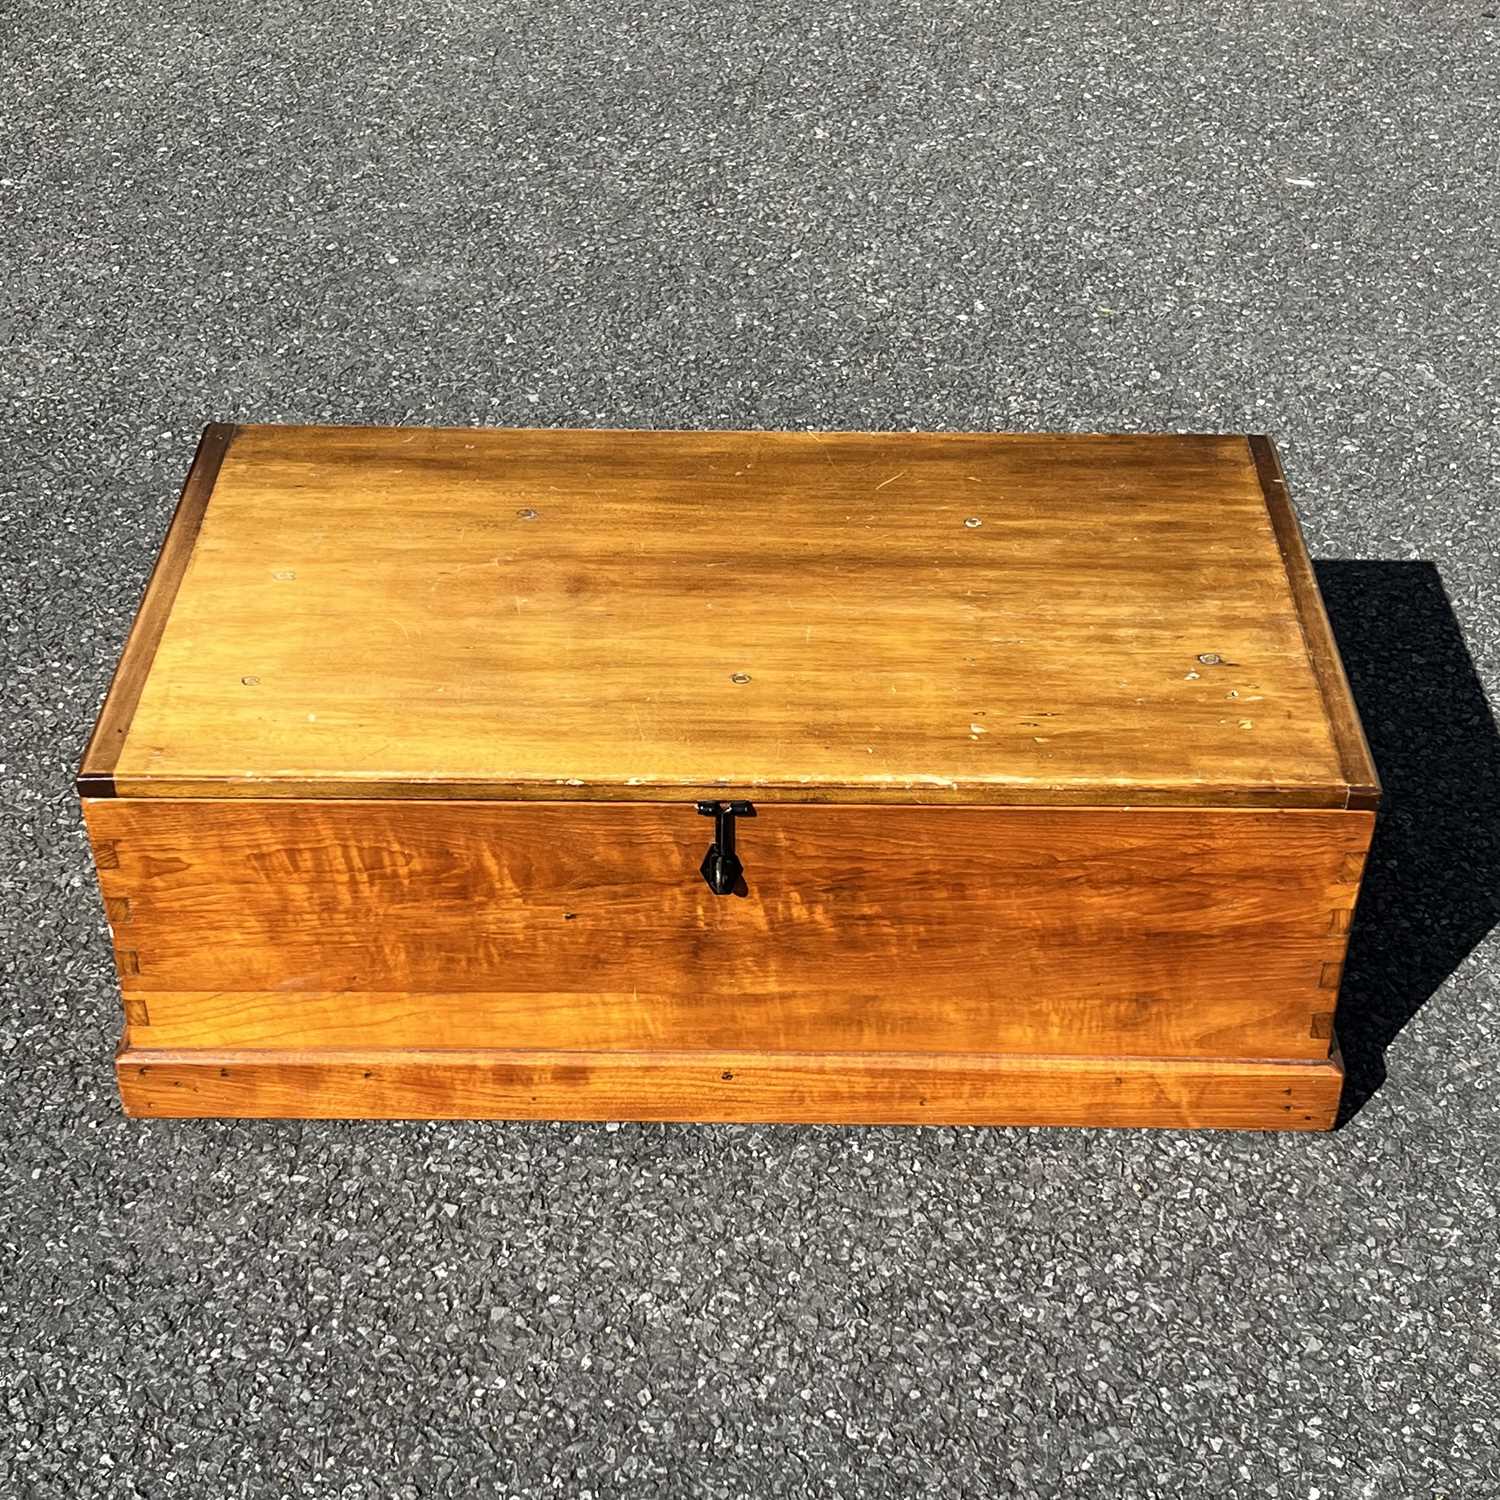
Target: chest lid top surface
column 841, row 617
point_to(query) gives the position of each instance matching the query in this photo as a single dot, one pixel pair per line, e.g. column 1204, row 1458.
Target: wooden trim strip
column 790, row 1087
column 999, row 795
column 96, row 776
column 1322, row 649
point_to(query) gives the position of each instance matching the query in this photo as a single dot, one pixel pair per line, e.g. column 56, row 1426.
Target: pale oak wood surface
column 654, row 616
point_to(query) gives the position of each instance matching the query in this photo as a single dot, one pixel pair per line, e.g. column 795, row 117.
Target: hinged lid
column 822, row 617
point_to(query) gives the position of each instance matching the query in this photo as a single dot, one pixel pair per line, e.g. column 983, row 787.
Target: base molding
column 791, row 1087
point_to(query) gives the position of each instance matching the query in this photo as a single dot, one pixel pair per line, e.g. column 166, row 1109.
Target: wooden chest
column 731, row 776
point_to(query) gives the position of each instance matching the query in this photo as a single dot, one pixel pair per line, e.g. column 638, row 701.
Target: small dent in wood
column 739, row 677
column 526, row 513
column 973, row 522
column 283, row 575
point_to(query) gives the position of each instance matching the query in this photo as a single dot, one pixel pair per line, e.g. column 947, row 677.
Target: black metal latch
column 721, row 866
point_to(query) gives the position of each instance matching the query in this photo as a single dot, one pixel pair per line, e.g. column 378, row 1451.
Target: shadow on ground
column 1432, row 886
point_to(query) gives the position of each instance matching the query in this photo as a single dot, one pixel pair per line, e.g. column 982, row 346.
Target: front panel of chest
column 1069, row 932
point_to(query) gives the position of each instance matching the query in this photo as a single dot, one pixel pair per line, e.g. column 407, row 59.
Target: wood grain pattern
column 1060, row 785
column 844, row 1088
column 1154, row 933
column 1357, row 765
column 838, row 617
column 101, row 755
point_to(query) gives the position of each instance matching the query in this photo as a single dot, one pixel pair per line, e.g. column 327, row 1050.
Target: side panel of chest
column 559, row 927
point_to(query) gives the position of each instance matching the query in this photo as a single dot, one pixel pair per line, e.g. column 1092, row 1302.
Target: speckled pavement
column 1275, row 217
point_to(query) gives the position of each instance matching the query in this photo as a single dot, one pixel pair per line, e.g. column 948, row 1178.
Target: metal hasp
column 721, row 866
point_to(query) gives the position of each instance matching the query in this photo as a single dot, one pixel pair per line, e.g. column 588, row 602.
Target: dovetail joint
column 1331, row 977
column 107, row 854
column 128, row 960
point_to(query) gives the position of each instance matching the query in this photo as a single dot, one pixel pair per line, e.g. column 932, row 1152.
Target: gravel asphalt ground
column 1276, row 217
